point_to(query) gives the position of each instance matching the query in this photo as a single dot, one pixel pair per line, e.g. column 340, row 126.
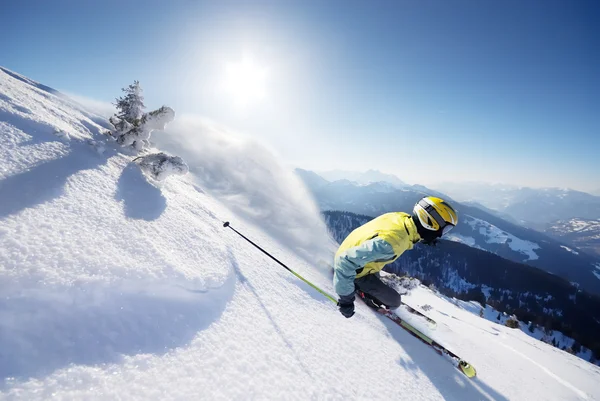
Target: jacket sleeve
column 348, row 262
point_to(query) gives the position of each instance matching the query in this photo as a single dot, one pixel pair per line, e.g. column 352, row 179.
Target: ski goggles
column 447, row 228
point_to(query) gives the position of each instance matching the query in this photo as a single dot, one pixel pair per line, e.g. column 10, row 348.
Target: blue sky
column 428, row 90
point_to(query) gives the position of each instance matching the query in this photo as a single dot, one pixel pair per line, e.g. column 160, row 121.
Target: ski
column 404, row 311
column 463, row 366
column 432, row 323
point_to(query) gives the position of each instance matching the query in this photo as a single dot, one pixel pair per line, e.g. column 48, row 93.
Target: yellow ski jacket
column 370, row 247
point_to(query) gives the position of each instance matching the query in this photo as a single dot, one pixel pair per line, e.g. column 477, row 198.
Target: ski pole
column 332, row 299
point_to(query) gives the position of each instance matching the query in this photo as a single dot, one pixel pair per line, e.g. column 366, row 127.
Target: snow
column 491, row 314
column 569, row 249
column 516, row 351
column 575, row 226
column 115, row 288
column 380, row 186
column 494, row 235
column 596, row 273
column 578, row 225
column 487, row 291
column 463, row 239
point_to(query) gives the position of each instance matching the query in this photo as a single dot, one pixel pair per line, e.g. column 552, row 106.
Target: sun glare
column 245, row 81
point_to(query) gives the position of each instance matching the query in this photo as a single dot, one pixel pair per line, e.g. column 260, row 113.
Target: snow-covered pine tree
column 121, row 126
column 138, row 136
column 131, row 106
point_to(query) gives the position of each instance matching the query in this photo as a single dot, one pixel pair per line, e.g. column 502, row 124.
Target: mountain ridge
column 491, row 233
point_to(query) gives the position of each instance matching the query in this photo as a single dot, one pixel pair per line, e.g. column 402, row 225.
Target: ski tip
column 467, row 369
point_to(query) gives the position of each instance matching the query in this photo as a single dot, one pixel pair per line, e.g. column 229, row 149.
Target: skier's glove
column 346, row 305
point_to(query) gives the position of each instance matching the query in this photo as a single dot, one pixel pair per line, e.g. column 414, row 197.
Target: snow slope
column 115, row 287
column 494, row 235
column 493, row 315
column 518, row 358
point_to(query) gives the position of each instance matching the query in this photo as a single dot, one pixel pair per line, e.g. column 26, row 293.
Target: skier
column 370, row 247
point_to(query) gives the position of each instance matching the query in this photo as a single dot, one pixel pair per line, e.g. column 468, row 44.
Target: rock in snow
column 160, row 165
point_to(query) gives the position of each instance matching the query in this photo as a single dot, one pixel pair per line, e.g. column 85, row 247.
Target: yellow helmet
column 435, row 214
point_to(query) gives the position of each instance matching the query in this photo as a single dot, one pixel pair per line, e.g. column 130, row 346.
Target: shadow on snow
column 452, row 384
column 141, row 199
column 46, row 181
column 244, row 281
column 39, row 132
column 45, row 329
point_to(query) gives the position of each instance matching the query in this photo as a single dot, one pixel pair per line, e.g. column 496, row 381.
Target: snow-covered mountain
column 486, row 234
column 493, row 212
column 493, row 196
column 581, row 233
column 478, row 228
column 364, row 178
column 114, row 286
column 534, row 207
column 558, row 212
column 311, row 179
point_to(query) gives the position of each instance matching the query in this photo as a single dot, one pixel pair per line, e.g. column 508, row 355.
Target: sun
column 245, row 81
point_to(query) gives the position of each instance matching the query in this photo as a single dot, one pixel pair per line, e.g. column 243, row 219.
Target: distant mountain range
column 533, row 207
column 478, row 228
column 363, row 178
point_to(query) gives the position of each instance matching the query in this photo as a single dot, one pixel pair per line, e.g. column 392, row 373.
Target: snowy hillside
column 582, row 233
column 114, row 286
column 556, row 338
column 484, row 230
column 490, row 234
column 512, row 344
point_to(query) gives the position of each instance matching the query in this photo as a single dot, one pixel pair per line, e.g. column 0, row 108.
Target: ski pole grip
column 226, row 224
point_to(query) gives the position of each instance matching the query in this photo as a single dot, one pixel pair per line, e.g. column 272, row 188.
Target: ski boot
column 370, row 301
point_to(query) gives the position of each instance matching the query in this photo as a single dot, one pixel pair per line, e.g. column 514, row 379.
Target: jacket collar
column 411, row 228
